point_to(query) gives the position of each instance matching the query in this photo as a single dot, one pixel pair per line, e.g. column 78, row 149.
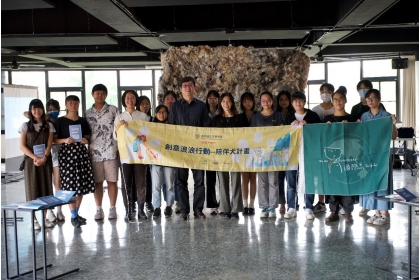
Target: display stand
column 34, row 268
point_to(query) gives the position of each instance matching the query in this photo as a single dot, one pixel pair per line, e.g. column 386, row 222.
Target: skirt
column 76, row 173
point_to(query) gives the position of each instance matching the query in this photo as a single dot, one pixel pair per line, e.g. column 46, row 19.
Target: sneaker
column 36, row 225
column 264, row 213
column 199, row 215
column 51, row 216
column 214, row 211
column 141, row 215
column 184, row 216
column 234, row 216
column 342, row 211
column 48, row 224
column 112, row 213
column 99, row 214
column 349, row 218
column 382, row 220
column 332, row 218
column 168, row 211
column 272, row 213
column 226, row 215
column 282, row 209
column 149, row 207
column 251, row 211
column 81, row 220
column 363, row 212
column 60, row 217
column 177, row 208
column 75, row 222
column 246, row 211
column 319, row 207
column 309, row 214
column 156, row 214
column 291, row 212
column 373, row 218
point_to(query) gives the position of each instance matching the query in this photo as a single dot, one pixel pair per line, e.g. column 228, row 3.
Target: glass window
column 60, row 96
column 378, row 68
column 313, row 97
column 31, row 78
column 159, row 98
column 107, row 78
column 5, row 77
column 136, row 78
column 346, row 74
column 316, row 71
column 388, row 96
column 64, row 78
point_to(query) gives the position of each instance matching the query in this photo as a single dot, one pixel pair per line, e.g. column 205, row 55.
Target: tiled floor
column 215, row 248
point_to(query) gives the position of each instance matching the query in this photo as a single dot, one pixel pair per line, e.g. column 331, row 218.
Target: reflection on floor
column 216, row 248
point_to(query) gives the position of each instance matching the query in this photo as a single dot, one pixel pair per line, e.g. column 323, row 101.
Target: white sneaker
column 51, row 216
column 48, row 224
column 177, row 207
column 112, row 213
column 214, row 211
column 309, row 214
column 342, row 211
column 318, row 208
column 291, row 212
column 36, row 225
column 264, row 213
column 373, row 218
column 382, row 220
column 60, row 217
column 363, row 212
column 272, row 213
column 99, row 214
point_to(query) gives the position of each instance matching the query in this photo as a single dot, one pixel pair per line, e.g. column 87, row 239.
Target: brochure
column 44, row 202
column 405, row 194
column 39, row 150
column 76, row 132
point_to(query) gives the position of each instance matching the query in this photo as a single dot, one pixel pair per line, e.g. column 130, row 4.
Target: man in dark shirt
column 191, row 112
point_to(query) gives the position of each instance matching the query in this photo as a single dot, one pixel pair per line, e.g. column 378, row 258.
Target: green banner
column 347, row 158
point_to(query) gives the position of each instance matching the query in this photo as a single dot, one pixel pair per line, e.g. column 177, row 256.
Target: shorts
column 54, row 154
column 106, row 170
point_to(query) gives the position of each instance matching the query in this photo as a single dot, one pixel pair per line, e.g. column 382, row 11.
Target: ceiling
column 132, row 33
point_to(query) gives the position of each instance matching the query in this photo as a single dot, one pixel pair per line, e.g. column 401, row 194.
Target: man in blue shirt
column 190, row 111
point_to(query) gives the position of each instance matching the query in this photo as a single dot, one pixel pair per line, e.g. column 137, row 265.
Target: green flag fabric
column 347, row 158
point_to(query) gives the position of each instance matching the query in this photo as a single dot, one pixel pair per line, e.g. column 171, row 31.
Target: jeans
column 292, row 198
column 309, row 201
column 175, row 186
column 159, row 174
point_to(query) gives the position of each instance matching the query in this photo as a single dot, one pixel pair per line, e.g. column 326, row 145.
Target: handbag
column 22, row 164
column 405, row 132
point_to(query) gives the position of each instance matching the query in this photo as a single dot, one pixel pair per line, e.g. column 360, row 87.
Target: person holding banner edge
column 368, row 201
column 301, row 117
column 268, row 189
column 228, row 117
column 190, row 111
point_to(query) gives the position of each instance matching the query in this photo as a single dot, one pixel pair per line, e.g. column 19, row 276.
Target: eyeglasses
column 188, row 86
column 266, row 101
column 371, row 99
column 338, row 100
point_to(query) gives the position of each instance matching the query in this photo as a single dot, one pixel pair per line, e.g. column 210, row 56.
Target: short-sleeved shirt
column 137, row 116
column 367, row 116
column 359, row 109
column 275, row 119
column 62, row 125
column 37, row 126
column 322, row 112
column 102, row 145
column 191, row 114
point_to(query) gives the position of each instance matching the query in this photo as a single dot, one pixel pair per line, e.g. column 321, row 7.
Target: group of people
column 82, row 169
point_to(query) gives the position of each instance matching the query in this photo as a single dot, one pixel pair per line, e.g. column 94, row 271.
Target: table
column 410, row 205
column 34, row 268
column 405, row 153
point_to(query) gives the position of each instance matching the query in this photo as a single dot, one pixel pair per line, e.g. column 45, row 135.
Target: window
column 316, row 71
column 107, row 78
column 313, row 97
column 64, row 78
column 31, row 78
column 378, row 68
column 136, row 78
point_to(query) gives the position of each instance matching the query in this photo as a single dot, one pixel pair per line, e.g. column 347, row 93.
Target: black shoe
column 149, row 207
column 129, row 217
column 156, row 214
column 141, row 215
column 235, row 216
column 226, row 216
column 168, row 212
column 246, row 211
column 75, row 222
column 81, row 220
column 199, row 215
column 184, row 216
column 251, row 211
column 133, row 207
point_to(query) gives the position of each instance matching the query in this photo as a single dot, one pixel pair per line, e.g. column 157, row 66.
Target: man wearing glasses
column 190, row 111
